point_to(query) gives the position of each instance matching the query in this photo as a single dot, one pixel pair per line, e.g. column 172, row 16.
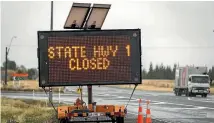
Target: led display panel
column 89, row 57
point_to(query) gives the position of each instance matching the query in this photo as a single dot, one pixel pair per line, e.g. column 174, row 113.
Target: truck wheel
column 176, row 93
column 204, row 95
column 187, row 93
column 190, row 94
column 179, row 93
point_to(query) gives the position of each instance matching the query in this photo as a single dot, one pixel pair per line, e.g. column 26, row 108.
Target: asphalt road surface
column 164, row 106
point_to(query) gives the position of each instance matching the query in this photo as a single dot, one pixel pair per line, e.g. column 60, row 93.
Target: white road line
column 199, row 100
column 203, row 101
column 132, row 113
column 158, row 103
column 200, row 107
column 193, row 108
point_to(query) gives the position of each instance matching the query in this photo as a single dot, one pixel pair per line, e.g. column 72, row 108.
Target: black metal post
column 5, row 79
column 51, row 16
column 51, row 28
column 50, row 96
column 80, row 87
column 89, row 94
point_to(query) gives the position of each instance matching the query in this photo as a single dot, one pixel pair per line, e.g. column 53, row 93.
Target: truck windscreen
column 200, row 79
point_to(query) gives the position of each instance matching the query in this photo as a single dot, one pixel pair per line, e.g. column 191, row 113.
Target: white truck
column 191, row 81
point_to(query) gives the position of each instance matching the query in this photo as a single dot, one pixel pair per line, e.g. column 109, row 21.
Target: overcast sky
column 172, row 32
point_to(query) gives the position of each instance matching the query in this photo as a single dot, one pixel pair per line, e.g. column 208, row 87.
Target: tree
column 174, row 70
column 162, row 71
column 11, row 65
column 150, row 73
column 168, row 73
column 32, row 73
column 156, row 72
column 212, row 73
column 144, row 74
column 21, row 69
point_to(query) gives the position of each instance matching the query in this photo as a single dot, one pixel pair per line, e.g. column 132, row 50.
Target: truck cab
column 199, row 85
column 192, row 81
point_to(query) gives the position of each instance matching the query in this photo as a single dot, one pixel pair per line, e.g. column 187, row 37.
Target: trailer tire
column 63, row 121
column 119, row 119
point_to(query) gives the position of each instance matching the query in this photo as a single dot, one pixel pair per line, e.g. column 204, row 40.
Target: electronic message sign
column 89, row 57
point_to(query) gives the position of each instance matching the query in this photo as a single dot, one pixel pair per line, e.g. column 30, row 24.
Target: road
column 164, row 105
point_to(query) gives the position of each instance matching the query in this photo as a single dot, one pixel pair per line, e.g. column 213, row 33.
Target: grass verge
column 212, row 90
column 156, row 85
column 27, row 85
column 26, row 111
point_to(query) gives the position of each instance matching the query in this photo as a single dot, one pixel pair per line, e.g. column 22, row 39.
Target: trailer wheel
column 119, row 119
column 63, row 121
column 113, row 120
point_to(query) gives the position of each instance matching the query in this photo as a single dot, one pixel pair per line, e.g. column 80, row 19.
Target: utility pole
column 51, row 28
column 5, row 73
column 6, row 59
